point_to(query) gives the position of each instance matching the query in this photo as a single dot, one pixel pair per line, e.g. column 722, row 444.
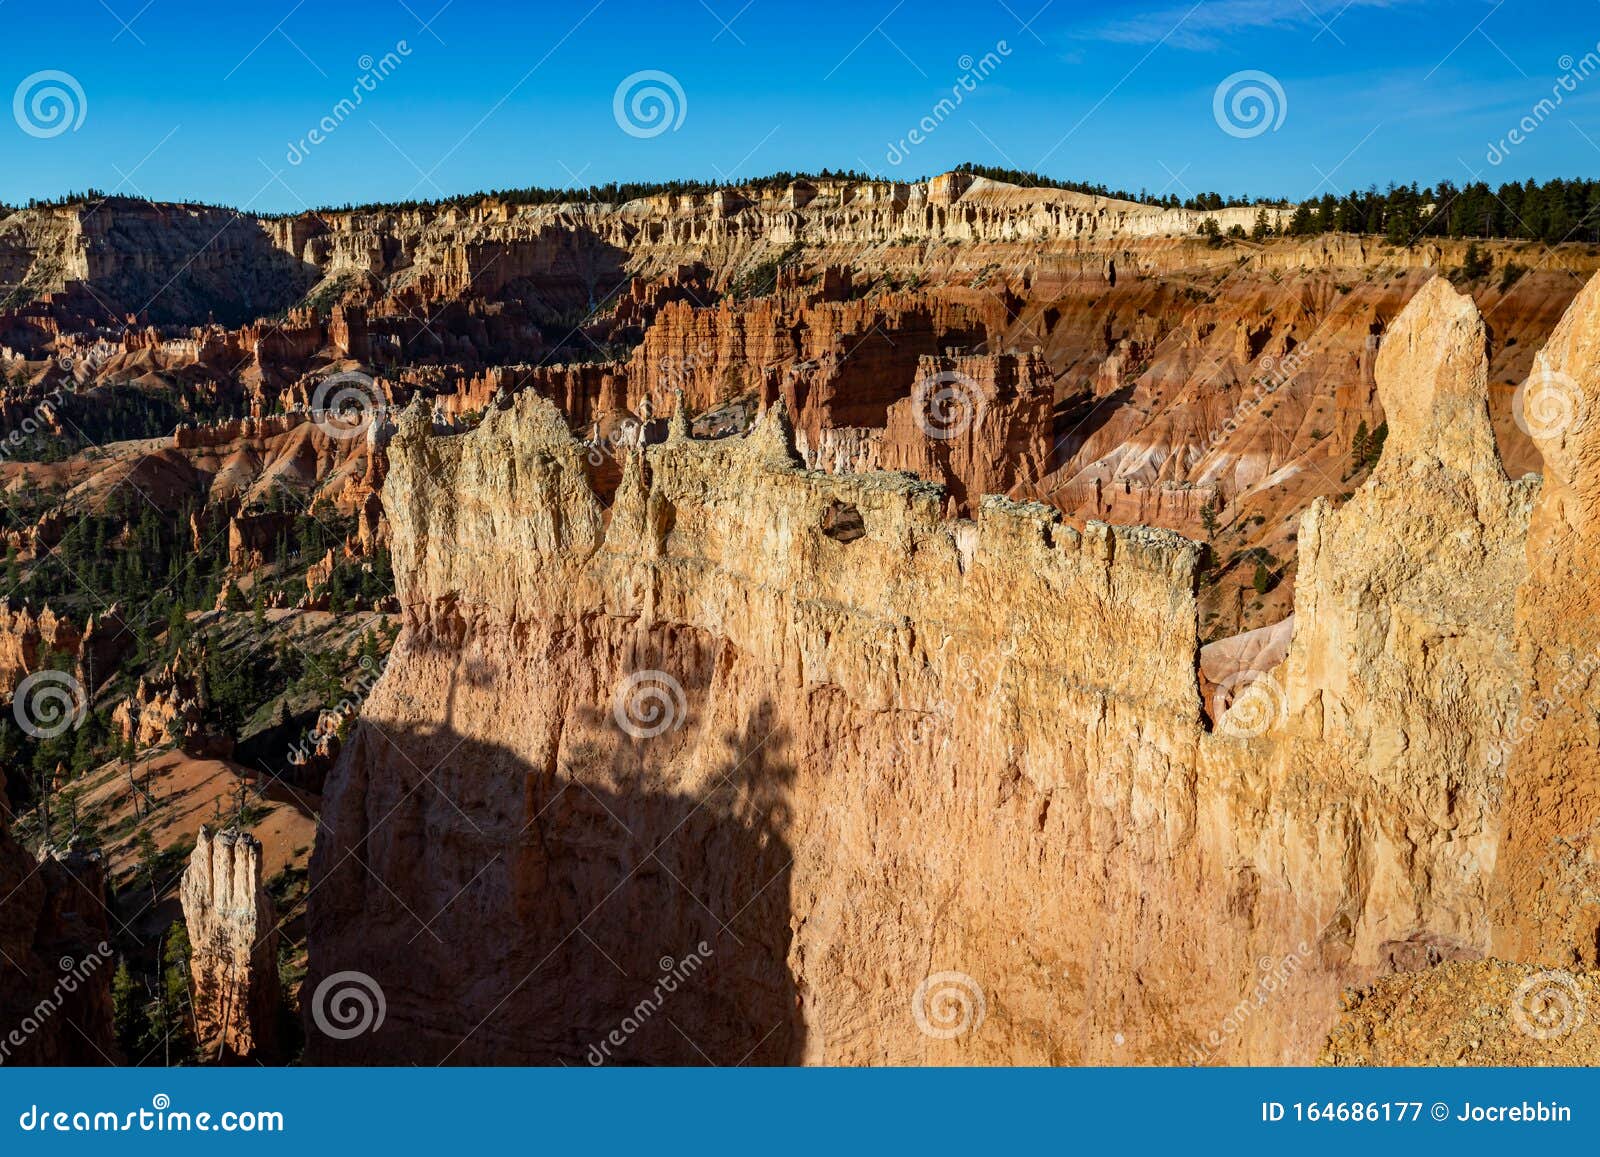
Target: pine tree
column 1360, row 446
column 149, row 859
column 128, row 1013
column 1375, row 444
column 1475, row 264
column 174, row 1004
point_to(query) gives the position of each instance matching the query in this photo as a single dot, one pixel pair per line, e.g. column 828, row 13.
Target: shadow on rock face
column 502, row 913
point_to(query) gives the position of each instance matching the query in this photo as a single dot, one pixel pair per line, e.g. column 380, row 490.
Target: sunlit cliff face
column 959, row 761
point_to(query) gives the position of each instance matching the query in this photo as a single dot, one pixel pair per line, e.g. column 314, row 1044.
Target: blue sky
column 215, row 103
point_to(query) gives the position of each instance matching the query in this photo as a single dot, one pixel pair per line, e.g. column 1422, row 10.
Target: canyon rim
column 948, row 622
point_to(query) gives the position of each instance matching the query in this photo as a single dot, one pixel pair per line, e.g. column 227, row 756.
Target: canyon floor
column 818, row 622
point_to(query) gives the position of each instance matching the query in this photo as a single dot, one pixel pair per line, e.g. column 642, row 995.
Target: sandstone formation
column 25, row 638
column 1001, row 716
column 233, row 938
column 74, row 932
column 941, row 623
column 1549, row 905
column 172, row 259
column 978, row 424
column 1190, row 383
column 166, row 706
column 54, row 933
column 1229, row 666
column 28, row 640
column 1402, row 677
column 1484, row 1012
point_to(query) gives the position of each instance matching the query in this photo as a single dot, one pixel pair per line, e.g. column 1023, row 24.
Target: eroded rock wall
column 54, row 929
column 1548, row 882
column 1402, row 675
column 857, row 758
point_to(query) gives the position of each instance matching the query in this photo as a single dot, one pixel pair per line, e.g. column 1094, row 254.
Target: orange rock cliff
column 936, row 623
column 848, row 763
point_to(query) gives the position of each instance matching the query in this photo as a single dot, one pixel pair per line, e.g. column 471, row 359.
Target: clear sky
column 217, row 102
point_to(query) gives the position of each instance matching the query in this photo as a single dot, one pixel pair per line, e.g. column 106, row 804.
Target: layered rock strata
column 915, row 790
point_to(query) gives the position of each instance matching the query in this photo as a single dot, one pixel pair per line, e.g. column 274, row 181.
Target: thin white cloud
column 1209, row 27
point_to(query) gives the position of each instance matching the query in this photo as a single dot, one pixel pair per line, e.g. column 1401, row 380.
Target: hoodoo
column 233, row 939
